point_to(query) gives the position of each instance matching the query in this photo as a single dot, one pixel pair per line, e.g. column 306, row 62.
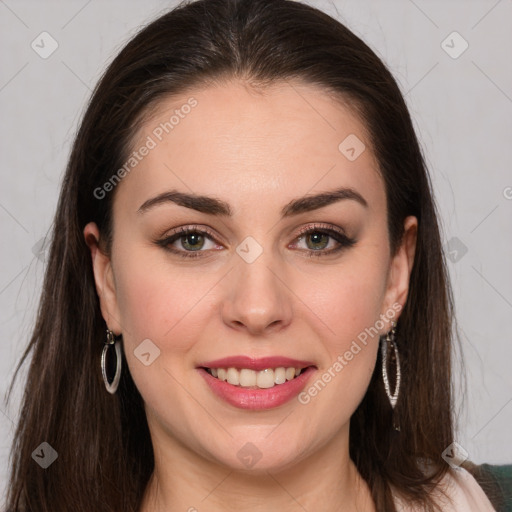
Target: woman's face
column 287, row 256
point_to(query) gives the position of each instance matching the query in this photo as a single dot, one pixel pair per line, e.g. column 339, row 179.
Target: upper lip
column 256, row 364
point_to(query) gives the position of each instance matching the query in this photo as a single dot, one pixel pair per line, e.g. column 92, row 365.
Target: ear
column 104, row 279
column 400, row 268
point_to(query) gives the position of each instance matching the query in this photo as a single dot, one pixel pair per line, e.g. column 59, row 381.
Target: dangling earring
column 111, row 386
column 387, row 343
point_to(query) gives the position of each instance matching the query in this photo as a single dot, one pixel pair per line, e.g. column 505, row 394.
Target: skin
column 256, row 152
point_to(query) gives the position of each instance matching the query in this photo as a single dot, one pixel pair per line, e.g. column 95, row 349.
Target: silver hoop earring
column 389, row 342
column 111, row 386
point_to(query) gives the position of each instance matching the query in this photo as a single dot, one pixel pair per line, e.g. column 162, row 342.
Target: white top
column 465, row 494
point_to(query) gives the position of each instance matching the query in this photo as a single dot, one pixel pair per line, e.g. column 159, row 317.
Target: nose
column 257, row 300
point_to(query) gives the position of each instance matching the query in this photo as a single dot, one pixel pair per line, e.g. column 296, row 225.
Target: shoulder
column 467, row 493
column 458, row 491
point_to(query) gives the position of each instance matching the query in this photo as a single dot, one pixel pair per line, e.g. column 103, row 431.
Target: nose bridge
column 258, row 300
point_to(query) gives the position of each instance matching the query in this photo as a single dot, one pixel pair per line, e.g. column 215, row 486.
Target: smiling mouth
column 253, row 379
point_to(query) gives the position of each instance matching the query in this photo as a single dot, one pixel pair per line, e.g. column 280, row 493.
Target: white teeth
column 263, row 379
column 290, row 373
column 280, row 375
column 247, row 378
column 233, row 376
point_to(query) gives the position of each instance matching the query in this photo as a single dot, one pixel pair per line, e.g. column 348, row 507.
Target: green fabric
column 501, row 476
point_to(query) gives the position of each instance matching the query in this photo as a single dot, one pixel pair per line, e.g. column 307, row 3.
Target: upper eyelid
column 184, row 230
column 322, row 227
column 206, row 230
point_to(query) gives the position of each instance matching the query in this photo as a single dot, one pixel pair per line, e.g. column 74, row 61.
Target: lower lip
column 245, row 398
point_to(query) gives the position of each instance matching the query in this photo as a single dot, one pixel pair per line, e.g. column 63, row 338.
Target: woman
column 246, row 304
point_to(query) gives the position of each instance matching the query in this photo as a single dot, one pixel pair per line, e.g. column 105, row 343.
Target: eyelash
column 343, row 240
column 180, row 233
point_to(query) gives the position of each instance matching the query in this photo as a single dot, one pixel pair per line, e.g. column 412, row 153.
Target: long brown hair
column 105, row 456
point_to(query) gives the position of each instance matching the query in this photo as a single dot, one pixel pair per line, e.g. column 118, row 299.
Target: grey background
column 461, row 108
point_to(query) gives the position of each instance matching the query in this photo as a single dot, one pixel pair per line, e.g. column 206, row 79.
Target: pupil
column 193, row 241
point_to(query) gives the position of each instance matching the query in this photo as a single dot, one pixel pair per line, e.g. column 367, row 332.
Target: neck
column 326, row 480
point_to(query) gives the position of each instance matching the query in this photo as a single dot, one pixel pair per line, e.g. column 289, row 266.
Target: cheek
column 350, row 312
column 166, row 306
column 157, row 300
column 347, row 299
column 345, row 305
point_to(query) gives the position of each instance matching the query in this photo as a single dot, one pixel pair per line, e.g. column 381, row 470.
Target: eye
column 319, row 240
column 322, row 240
column 189, row 240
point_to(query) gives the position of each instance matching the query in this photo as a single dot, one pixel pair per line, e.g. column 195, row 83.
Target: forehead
column 231, row 141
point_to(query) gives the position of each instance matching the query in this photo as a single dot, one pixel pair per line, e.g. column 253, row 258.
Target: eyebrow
column 213, row 206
